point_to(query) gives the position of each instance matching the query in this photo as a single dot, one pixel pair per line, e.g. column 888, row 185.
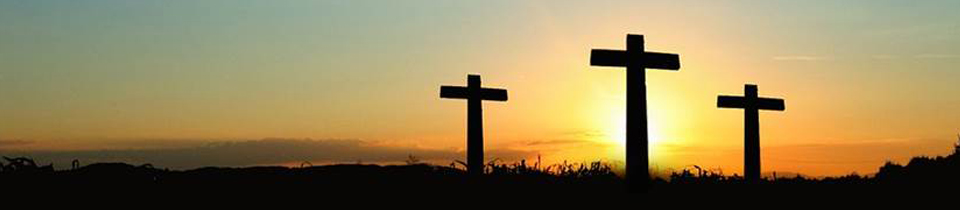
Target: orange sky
column 864, row 81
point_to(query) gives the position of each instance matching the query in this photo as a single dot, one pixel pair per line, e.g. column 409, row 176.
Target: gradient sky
column 864, row 81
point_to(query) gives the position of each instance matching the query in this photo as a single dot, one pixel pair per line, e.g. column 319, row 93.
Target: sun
column 616, row 133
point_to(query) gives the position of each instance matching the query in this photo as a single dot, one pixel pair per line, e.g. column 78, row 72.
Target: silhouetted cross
column 637, row 61
column 474, row 94
column 751, row 104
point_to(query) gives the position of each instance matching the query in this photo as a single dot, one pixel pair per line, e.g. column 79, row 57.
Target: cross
column 636, row 60
column 751, row 104
column 474, row 94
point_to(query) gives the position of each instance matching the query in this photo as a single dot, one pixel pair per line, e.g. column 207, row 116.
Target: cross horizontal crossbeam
column 489, row 94
column 619, row 58
column 741, row 102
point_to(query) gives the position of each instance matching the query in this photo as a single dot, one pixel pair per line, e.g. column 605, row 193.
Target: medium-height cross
column 637, row 61
column 474, row 94
column 751, row 105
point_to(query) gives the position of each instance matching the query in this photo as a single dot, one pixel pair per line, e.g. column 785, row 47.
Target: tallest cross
column 637, row 61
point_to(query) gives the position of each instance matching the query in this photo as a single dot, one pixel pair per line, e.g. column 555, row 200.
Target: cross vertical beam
column 751, row 135
column 638, row 163
column 474, row 126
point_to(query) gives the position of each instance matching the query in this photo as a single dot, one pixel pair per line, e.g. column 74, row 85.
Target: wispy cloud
column 938, row 56
column 884, row 57
column 14, row 142
column 799, row 58
column 584, row 133
column 556, row 142
column 862, row 156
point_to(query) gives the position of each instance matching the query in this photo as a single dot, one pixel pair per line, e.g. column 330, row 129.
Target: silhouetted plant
column 412, row 160
column 23, row 164
column 563, row 170
column 702, row 176
column 956, row 146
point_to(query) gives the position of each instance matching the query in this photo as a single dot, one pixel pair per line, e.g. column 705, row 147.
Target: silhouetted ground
column 921, row 173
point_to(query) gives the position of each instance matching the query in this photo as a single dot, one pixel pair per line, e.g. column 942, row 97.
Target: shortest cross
column 751, row 105
column 474, row 94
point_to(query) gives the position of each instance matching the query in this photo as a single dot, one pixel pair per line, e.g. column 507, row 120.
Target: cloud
column 938, row 56
column 14, row 142
column 555, row 142
column 838, row 158
column 830, row 157
column 262, row 152
column 884, row 57
column 875, row 151
column 799, row 58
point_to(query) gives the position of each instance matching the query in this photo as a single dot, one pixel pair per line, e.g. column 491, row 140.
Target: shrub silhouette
column 924, row 170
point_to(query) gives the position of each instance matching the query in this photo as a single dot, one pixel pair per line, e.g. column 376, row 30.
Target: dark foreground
column 596, row 178
column 921, row 175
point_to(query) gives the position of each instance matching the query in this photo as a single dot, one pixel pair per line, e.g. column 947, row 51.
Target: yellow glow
column 615, row 132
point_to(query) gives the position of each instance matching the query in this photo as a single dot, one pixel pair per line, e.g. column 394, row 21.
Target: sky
column 195, row 83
